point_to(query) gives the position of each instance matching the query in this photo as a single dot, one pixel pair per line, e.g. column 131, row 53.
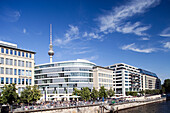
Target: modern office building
column 102, row 77
column 16, row 66
column 125, row 78
column 150, row 80
column 64, row 76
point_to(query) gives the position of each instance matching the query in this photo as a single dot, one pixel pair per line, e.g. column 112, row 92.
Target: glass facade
column 64, row 75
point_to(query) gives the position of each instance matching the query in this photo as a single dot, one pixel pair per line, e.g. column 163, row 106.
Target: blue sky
column 136, row 32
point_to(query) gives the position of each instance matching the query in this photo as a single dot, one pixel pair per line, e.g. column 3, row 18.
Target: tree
column 36, row 93
column 94, row 94
column 30, row 94
column 85, row 93
column 132, row 93
column 166, row 85
column 26, row 95
column 102, row 92
column 76, row 92
column 110, row 92
column 9, row 94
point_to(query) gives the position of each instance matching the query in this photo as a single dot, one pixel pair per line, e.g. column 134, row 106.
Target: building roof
column 13, row 46
column 102, row 67
column 147, row 72
column 77, row 60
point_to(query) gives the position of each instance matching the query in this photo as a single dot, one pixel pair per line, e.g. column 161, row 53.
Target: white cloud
column 92, row 58
column 135, row 28
column 81, row 52
column 70, row 35
column 166, row 32
column 133, row 47
column 167, row 45
column 144, row 38
column 92, row 35
column 9, row 15
column 115, row 20
column 24, row 31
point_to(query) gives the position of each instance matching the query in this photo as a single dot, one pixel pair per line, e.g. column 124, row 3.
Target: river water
column 161, row 107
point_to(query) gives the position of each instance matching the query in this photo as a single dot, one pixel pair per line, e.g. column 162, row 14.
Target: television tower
column 51, row 52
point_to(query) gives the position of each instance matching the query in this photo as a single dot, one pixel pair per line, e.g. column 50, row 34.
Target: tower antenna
column 51, row 52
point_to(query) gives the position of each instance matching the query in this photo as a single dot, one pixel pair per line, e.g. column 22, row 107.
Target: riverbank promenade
column 109, row 105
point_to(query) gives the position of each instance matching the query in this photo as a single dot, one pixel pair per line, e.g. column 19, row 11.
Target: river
column 161, row 107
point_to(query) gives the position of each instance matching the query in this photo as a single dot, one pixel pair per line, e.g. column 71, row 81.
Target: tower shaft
column 51, row 52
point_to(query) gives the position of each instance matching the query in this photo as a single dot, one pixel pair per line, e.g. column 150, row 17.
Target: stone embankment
column 101, row 108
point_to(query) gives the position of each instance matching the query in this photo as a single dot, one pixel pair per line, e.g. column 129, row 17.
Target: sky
column 136, row 32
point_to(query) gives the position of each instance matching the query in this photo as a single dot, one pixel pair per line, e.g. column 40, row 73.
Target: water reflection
column 162, row 107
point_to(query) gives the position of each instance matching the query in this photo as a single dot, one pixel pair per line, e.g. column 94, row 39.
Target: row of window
column 20, row 81
column 20, row 62
column 105, row 75
column 105, row 80
column 106, row 85
column 14, row 52
column 11, row 71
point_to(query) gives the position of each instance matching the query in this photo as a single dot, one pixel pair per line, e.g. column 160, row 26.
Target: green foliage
column 94, row 94
column 55, row 92
column 110, row 92
column 166, row 85
column 155, row 91
column 142, row 92
column 76, row 92
column 9, row 94
column 132, row 93
column 26, row 95
column 30, row 94
column 85, row 93
column 36, row 93
column 102, row 92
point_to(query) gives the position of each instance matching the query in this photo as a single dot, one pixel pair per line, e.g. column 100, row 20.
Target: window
column 11, row 79
column 2, row 80
column 6, row 51
column 7, row 61
column 19, row 81
column 15, row 80
column 15, row 71
column 19, row 53
column 30, row 81
column 19, row 72
column 30, row 55
column 2, row 50
column 2, row 70
column 22, row 54
column 30, row 73
column 19, row 62
column 22, row 63
column 11, row 71
column 23, row 81
column 15, row 52
column 26, row 63
column 11, row 52
column 11, row 62
column 22, row 73
column 15, row 62
column 7, row 70
column 7, row 81
column 27, row 55
column 30, row 64
column 26, row 81
column 27, row 74
column 1, row 60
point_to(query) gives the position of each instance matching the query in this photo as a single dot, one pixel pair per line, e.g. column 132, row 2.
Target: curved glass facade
column 63, row 77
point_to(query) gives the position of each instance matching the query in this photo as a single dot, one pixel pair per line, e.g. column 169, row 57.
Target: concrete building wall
column 102, row 77
column 16, row 65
